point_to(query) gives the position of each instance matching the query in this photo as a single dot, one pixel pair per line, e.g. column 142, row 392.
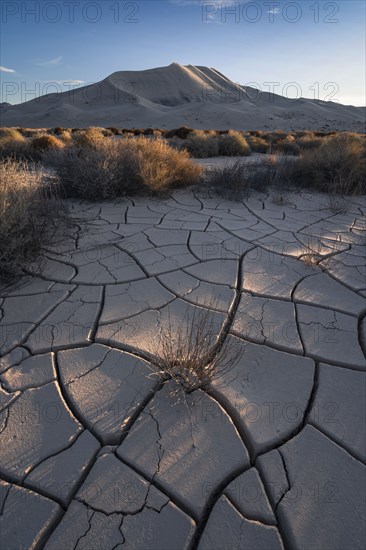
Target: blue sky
column 54, row 45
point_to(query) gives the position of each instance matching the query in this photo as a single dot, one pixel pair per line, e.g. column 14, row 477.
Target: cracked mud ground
column 96, row 453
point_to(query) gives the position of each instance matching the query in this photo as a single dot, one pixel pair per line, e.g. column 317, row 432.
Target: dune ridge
column 177, row 95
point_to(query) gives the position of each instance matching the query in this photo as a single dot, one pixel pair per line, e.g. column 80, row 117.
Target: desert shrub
column 176, row 143
column 324, row 134
column 286, row 147
column 90, row 172
column 115, row 131
column 107, row 133
column 153, row 132
column 192, row 352
column 12, row 133
column 183, row 132
column 59, row 130
column 28, row 216
column 44, row 143
column 338, row 165
column 33, row 132
column 237, row 180
column 116, row 168
column 13, row 144
column 65, row 136
column 308, row 142
column 91, row 137
column 304, row 134
column 233, row 181
column 257, row 144
column 275, row 137
column 277, row 174
column 233, row 144
column 255, row 133
column 161, row 166
column 201, row 146
column 210, row 133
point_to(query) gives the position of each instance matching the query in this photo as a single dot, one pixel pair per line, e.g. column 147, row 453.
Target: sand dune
column 178, row 95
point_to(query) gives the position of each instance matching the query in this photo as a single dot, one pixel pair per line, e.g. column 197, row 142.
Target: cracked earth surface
column 97, row 453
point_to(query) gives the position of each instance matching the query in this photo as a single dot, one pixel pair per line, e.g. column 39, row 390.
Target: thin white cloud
column 6, row 70
column 212, row 11
column 55, row 62
column 274, row 11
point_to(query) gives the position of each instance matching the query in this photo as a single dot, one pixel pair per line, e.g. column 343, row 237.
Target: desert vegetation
column 210, row 144
column 338, row 165
column 195, row 353
column 95, row 164
column 30, row 214
column 96, row 169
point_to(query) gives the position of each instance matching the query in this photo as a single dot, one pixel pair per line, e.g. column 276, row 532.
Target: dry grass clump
column 65, row 136
column 160, row 166
column 211, row 133
column 13, row 144
column 233, row 144
column 306, row 139
column 202, row 146
column 234, row 181
column 337, row 166
column 58, row 130
column 28, row 215
column 257, row 144
column 237, row 180
column 286, row 146
column 107, row 169
column 115, row 131
column 194, row 354
column 308, row 142
column 10, row 133
column 91, row 137
column 91, row 172
column 274, row 137
column 206, row 143
column 32, row 132
column 45, row 143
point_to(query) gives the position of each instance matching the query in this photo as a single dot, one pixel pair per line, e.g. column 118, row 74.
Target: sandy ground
column 96, row 454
